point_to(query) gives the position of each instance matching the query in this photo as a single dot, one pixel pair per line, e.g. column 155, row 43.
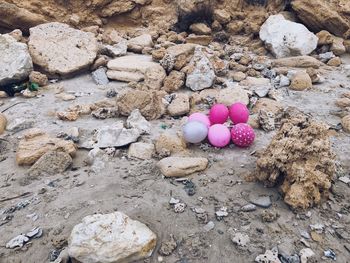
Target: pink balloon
column 218, row 114
column 219, row 135
column 239, row 113
column 200, row 117
column 242, row 135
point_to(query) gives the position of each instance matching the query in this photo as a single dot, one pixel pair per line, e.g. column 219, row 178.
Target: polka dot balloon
column 242, row 135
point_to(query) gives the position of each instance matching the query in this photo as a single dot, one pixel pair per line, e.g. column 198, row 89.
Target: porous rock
column 181, row 166
column 300, row 154
column 51, row 163
column 59, row 49
column 141, row 150
column 180, row 105
column 110, row 238
column 168, row 144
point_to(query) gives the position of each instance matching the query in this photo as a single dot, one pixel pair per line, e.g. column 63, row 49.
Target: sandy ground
column 139, row 190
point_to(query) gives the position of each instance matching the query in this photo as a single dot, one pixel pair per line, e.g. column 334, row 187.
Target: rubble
column 181, row 166
column 305, row 184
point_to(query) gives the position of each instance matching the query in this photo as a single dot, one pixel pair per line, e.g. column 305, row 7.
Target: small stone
column 233, row 94
column 179, row 207
column 100, row 77
column 200, row 29
column 221, row 213
column 248, row 208
column 343, row 102
column 264, row 201
column 168, row 144
column 140, row 150
column 20, row 124
column 181, row 166
column 222, row 16
column 209, row 226
column 337, row 46
column 180, row 105
column 168, row 247
column 17, row 241
column 67, row 115
column 174, row 201
column 334, row 62
column 137, row 44
column 53, row 162
column 325, row 57
column 284, row 81
column 305, row 234
column 35, row 233
column 116, row 50
column 344, row 179
column 330, row 254
column 270, row 256
column 269, row 216
column 316, row 237
column 174, row 81
column 305, row 254
column 38, row 78
column 137, row 121
column 301, row 81
column 240, row 239
column 238, row 76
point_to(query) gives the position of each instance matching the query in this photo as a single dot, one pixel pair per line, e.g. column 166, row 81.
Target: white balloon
column 195, row 131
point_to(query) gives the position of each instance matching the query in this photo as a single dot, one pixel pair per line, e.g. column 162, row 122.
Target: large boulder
column 59, row 49
column 285, row 38
column 113, row 238
column 15, row 61
column 332, row 16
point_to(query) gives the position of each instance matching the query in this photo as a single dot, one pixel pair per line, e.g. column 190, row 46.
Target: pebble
column 330, row 254
column 248, row 208
column 240, row 239
column 209, row 226
column 174, row 201
column 221, row 213
column 264, row 201
column 345, row 180
column 179, row 207
column 305, row 234
column 99, row 76
column 305, row 254
column 17, row 241
column 319, row 228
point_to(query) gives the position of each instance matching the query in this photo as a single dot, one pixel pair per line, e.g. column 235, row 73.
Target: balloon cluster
column 201, row 126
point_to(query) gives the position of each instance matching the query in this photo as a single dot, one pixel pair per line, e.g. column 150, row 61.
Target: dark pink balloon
column 218, row 114
column 239, row 113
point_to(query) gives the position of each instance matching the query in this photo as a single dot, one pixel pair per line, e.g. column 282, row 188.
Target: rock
column 110, row 238
column 297, row 62
column 300, row 155
column 248, row 208
column 343, row 102
column 179, row 208
column 65, row 96
column 67, row 115
column 270, row 256
column 140, row 150
column 337, row 46
column 181, row 166
column 137, row 121
column 3, row 123
column 345, row 122
column 168, row 144
column 105, row 113
column 263, row 201
column 174, row 81
column 202, row 75
column 253, row 82
column 38, row 78
column 285, row 38
column 138, row 43
column 59, row 49
column 15, row 61
column 222, row 16
column 240, row 239
column 168, row 247
column 222, row 212
column 209, row 226
column 334, row 62
column 200, row 29
column 324, row 38
column 325, row 57
column 20, row 124
column 268, row 105
column 137, row 68
column 99, row 76
column 180, row 105
column 51, row 163
column 238, row 76
column 109, row 136
column 17, row 241
column 203, row 40
column 267, row 120
column 316, row 16
column 305, row 254
column 149, row 103
column 300, row 81
column 176, row 57
column 101, row 61
column 111, row 37
column 116, row 50
column 231, row 95
column 36, row 143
